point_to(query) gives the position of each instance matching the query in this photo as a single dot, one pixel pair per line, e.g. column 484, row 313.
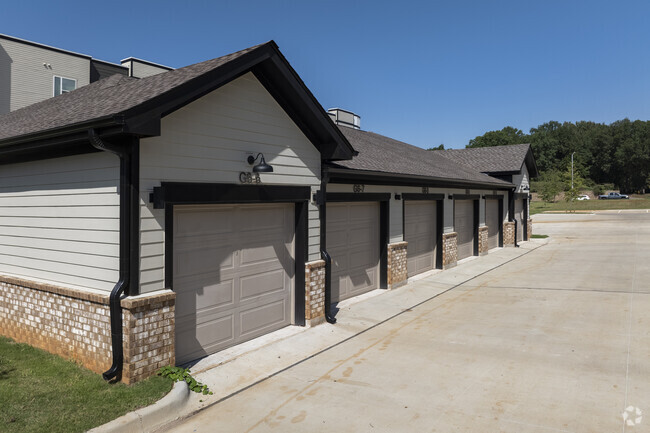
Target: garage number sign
column 247, row 177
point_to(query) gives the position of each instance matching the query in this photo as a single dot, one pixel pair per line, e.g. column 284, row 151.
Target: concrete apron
column 230, row 372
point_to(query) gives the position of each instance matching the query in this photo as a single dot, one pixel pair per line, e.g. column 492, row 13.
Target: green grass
column 539, row 236
column 41, row 392
column 635, row 202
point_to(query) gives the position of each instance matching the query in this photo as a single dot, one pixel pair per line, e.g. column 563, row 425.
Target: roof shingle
column 496, row 159
column 383, row 154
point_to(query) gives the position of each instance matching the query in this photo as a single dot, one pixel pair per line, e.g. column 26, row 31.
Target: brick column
column 449, row 250
column 315, row 292
column 482, row 241
column 397, row 272
column 509, row 234
column 529, row 224
column 148, row 324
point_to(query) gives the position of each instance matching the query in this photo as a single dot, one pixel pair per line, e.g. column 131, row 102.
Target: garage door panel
column 196, row 301
column 260, row 320
column 223, row 280
column 464, row 227
column 204, row 223
column 198, row 341
column 353, row 243
column 262, row 283
column 420, row 233
column 362, row 258
column 191, row 262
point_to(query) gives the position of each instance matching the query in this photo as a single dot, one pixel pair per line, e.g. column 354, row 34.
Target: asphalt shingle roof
column 496, row 159
column 108, row 97
column 383, row 154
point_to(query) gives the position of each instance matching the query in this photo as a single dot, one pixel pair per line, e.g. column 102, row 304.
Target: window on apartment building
column 63, row 85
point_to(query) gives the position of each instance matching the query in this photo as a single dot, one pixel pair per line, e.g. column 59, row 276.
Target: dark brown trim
column 356, row 197
column 351, row 176
column 440, row 228
column 476, row 224
column 206, row 193
column 416, row 196
column 466, row 196
column 493, row 196
column 300, row 256
column 384, row 239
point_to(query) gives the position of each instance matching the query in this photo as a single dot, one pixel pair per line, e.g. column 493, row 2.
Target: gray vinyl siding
column 141, row 70
column 209, row 141
column 59, row 221
column 25, row 80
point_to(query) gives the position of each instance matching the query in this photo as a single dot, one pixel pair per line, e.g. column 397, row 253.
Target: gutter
column 129, row 278
column 322, row 212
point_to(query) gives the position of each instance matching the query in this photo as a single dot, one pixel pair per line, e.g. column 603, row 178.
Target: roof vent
column 345, row 118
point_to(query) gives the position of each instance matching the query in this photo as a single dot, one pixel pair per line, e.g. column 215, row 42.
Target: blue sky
column 423, row 72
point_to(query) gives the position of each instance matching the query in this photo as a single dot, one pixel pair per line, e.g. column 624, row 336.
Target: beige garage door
column 464, row 226
column 519, row 216
column 492, row 222
column 353, row 244
column 420, row 233
column 233, row 271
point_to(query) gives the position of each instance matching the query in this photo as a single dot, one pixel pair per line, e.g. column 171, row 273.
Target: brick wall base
column 315, row 292
column 449, row 250
column 529, row 225
column 482, row 241
column 397, row 271
column 75, row 324
column 509, row 234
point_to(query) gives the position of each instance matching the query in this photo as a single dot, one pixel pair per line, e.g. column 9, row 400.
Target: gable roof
column 124, row 105
column 495, row 160
column 383, row 155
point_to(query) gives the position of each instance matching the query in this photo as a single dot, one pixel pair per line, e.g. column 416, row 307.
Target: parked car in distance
column 583, row 197
column 612, row 196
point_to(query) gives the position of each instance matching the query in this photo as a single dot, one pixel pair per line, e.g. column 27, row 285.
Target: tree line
column 618, row 153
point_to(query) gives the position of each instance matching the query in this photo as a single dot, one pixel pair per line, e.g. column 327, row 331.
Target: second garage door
column 233, row 268
column 492, row 222
column 420, row 233
column 353, row 244
column 464, row 226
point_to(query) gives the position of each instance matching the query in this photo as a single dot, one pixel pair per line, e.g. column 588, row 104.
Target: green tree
column 507, row 135
column 441, row 147
column 550, row 185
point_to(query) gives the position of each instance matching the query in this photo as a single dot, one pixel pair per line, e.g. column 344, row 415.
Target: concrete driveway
column 556, row 340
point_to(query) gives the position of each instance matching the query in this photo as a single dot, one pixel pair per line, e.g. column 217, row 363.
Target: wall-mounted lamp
column 262, row 167
column 398, row 196
column 526, row 188
column 450, row 197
